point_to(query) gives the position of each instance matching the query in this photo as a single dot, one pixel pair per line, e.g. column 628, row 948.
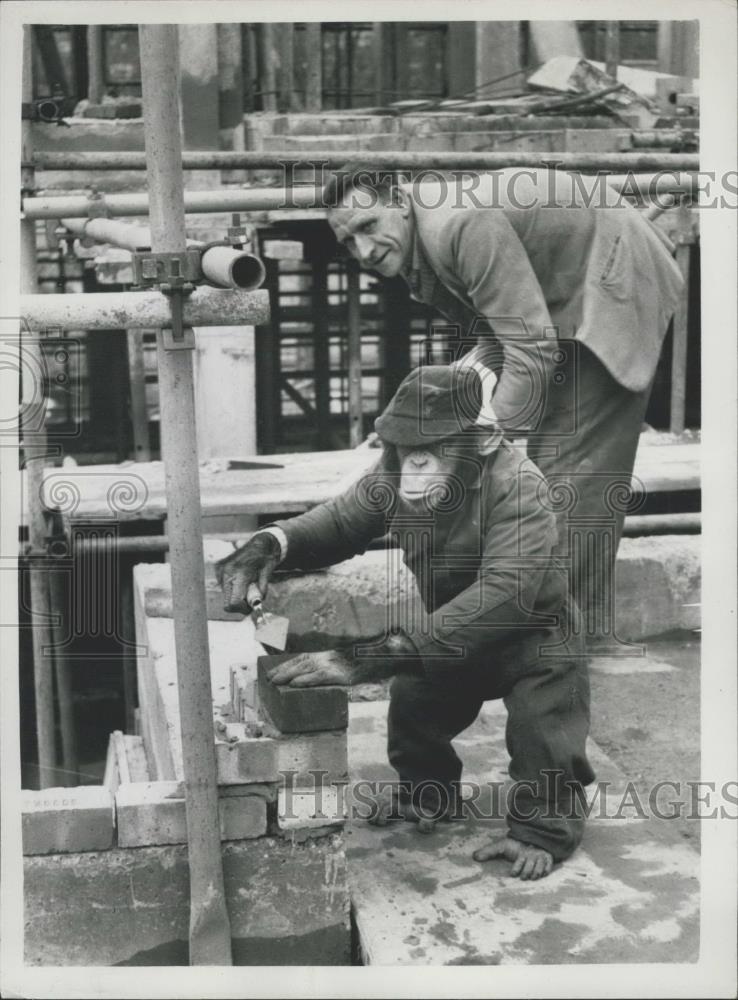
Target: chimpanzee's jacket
column 483, row 565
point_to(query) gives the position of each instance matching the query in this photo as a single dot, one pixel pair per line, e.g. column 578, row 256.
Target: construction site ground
column 629, row 894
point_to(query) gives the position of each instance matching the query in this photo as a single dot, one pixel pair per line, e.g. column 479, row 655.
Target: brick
column 153, row 813
column 248, row 759
column 243, row 691
column 149, row 813
column 321, row 808
column 242, row 817
column 263, row 790
column 67, row 820
column 300, row 710
column 308, row 752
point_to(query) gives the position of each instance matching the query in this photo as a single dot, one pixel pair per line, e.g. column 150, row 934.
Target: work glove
column 254, row 562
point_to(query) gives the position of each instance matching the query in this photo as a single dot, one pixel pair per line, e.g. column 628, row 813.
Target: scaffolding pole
column 137, row 382
column 636, row 162
column 680, row 325
column 95, row 64
column 286, row 42
column 314, row 72
column 353, row 299
column 210, row 934
column 35, row 450
column 226, row 266
column 142, row 310
column 291, row 198
column 612, row 48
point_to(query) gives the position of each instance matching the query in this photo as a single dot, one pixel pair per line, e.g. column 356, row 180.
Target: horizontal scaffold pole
column 226, row 266
column 389, row 160
column 299, row 197
column 143, row 310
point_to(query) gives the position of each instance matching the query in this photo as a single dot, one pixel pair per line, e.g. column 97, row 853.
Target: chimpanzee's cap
column 433, row 402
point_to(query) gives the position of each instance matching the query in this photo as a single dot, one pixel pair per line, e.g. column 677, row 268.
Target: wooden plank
column 303, row 480
column 138, row 768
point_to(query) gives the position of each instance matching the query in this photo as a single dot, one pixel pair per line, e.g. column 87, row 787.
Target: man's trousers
column 548, row 720
column 590, row 428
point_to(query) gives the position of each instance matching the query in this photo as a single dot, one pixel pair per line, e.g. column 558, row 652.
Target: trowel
column 270, row 630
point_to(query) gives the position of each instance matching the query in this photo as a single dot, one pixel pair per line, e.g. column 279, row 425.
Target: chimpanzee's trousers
column 547, row 725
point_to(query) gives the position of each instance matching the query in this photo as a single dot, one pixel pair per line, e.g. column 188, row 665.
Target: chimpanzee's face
column 376, row 229
column 424, row 473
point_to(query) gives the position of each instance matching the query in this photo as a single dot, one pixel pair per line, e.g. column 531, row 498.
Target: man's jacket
column 544, row 254
column 489, row 585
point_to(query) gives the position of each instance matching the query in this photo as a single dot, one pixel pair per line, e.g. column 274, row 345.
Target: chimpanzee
column 475, row 522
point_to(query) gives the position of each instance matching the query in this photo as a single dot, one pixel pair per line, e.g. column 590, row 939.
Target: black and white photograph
column 368, row 481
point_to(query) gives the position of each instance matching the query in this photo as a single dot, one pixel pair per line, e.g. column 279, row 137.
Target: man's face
column 375, row 229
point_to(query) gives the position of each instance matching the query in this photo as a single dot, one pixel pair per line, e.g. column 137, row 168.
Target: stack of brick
column 287, row 831
column 271, row 745
column 309, row 729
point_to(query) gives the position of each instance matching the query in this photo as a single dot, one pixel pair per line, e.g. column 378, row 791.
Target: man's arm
column 488, row 259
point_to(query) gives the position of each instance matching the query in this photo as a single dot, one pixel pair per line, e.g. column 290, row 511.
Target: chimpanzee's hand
column 313, row 669
column 254, row 562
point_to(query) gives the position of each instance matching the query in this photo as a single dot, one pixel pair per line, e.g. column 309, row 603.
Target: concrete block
column 300, row 710
column 246, row 759
column 288, row 904
column 151, row 813
column 657, row 585
column 67, row 820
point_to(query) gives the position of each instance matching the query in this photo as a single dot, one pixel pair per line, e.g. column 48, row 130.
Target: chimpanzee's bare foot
column 528, row 862
column 389, row 808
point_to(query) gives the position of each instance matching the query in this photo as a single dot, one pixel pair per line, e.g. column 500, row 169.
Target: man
column 578, row 289
column 466, row 512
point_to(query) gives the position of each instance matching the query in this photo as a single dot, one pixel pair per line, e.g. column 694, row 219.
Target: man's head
column 371, row 217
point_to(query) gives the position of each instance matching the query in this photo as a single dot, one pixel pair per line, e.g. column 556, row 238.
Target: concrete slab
column 630, row 892
column 287, row 901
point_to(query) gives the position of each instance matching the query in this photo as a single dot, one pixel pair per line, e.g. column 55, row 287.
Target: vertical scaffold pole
column 34, row 452
column 314, row 76
column 353, row 297
column 612, row 48
column 210, row 935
